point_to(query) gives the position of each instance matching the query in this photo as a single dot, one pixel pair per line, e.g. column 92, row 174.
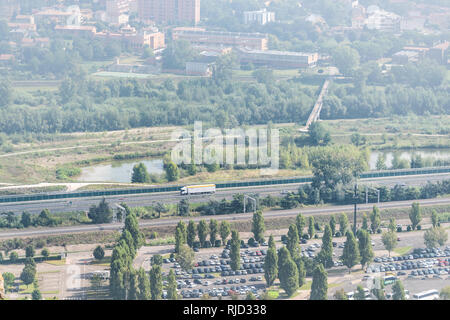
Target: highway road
column 324, row 210
column 83, row 204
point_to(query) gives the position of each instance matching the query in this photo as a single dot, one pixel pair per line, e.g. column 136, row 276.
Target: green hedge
column 36, row 259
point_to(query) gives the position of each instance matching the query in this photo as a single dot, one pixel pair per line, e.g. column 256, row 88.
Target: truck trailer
column 203, row 189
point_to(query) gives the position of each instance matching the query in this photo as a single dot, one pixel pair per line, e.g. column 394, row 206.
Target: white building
column 261, row 17
column 383, row 21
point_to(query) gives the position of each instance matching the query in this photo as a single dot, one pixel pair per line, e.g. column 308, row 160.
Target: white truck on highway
column 207, row 188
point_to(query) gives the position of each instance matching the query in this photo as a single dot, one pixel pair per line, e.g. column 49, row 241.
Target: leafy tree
column 415, row 215
column 287, row 272
column 434, row 218
column 223, row 69
column 375, row 219
column 365, row 223
column 140, row 174
column 319, row 286
column 185, row 257
column 250, row 296
column 143, row 285
column 389, row 240
column 258, row 226
column 191, row 233
column 340, row 295
column 172, row 171
column 434, row 236
column 179, row 238
column 172, row 293
column 99, row 253
column 156, row 259
column 13, row 256
column 5, row 93
column 156, row 285
column 311, row 226
column 235, row 251
column 224, row 230
column 365, row 247
column 202, row 230
column 101, row 213
column 300, row 224
column 29, row 251
column 325, row 256
column 398, row 291
column 28, row 274
column 343, row 223
column 301, row 270
column 271, row 263
column 445, row 293
column 160, row 208
column 378, row 291
column 36, row 295
column 45, row 253
column 264, row 76
column 292, row 241
column 336, row 165
column 177, row 54
column 392, row 226
column 132, row 226
column 26, row 219
column 318, row 134
column 360, row 294
column 346, row 59
column 213, row 230
column 350, row 255
column 333, row 225
column 8, row 280
column 381, row 162
column 183, row 208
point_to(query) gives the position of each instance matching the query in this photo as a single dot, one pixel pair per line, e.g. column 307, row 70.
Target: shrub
column 251, row 241
column 399, row 229
column 40, row 243
column 419, row 227
column 316, row 236
column 99, row 253
column 379, row 230
column 45, row 253
column 305, row 236
column 207, row 244
column 338, row 234
column 408, row 228
column 196, row 244
column 29, row 251
column 217, row 243
column 153, row 235
column 283, row 238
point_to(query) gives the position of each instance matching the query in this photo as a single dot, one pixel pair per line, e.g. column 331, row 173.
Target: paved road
column 83, row 204
column 233, row 217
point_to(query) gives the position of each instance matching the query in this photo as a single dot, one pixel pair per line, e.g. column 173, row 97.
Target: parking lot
column 213, row 275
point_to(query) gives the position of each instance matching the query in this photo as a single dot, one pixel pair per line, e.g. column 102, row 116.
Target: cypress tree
column 156, row 285
column 350, row 255
column 300, row 223
column 258, row 227
column 288, row 272
column 319, row 286
column 365, row 247
column 172, row 286
column 271, row 263
column 325, row 255
column 191, row 233
column 292, row 240
column 235, row 251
